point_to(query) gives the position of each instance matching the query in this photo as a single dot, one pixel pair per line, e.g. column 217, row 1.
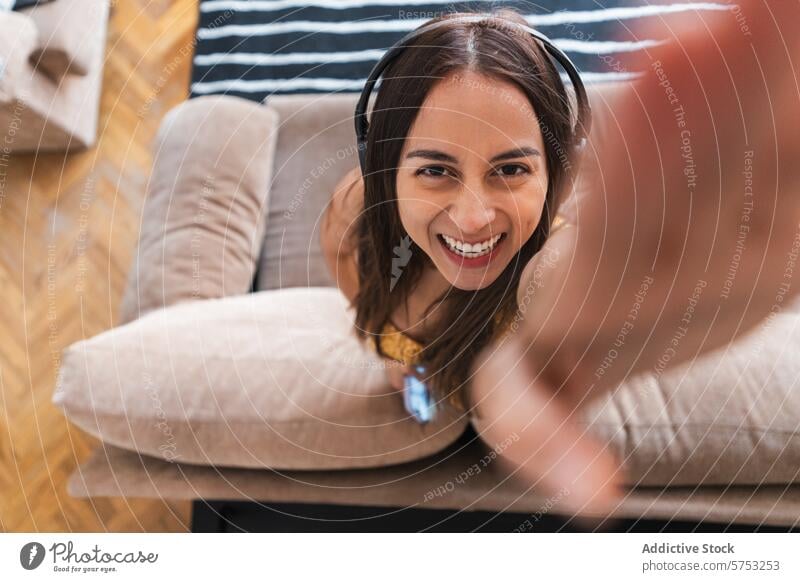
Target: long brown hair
column 497, row 49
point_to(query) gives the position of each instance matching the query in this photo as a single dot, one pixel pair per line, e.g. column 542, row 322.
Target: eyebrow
column 440, row 156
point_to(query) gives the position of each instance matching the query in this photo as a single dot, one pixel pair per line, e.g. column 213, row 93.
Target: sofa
column 232, row 377
column 51, row 68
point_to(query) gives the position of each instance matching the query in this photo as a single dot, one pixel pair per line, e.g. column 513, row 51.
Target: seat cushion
column 456, row 478
column 731, row 416
column 273, row 379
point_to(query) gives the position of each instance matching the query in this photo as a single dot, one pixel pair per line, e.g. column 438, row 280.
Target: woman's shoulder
column 348, row 195
column 346, row 203
column 338, row 236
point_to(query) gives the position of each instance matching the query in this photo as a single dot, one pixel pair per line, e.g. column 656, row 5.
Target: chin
column 471, row 283
column 472, row 287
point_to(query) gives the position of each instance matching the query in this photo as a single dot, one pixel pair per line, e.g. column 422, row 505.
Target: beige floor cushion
column 274, row 379
column 65, row 45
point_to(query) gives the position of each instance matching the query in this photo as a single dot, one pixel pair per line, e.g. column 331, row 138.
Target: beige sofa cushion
column 316, row 147
column 274, row 379
column 202, row 223
column 729, row 417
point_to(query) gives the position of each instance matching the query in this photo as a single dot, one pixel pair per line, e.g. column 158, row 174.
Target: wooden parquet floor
column 68, row 229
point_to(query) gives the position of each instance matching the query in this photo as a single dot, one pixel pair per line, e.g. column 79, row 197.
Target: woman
column 737, row 96
column 465, row 167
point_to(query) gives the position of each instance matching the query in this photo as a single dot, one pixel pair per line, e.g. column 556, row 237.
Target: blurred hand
column 698, row 195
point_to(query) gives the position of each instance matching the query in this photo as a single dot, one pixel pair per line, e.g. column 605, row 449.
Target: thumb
column 547, row 448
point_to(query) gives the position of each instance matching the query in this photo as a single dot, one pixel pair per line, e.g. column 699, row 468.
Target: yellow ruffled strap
column 398, row 346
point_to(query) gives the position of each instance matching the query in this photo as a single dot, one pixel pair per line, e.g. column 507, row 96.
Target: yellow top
column 400, row 347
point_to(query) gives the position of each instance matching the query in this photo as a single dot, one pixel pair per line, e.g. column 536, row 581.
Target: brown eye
column 432, row 171
column 512, row 170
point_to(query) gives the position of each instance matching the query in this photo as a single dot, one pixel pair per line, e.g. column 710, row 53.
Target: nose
column 471, row 212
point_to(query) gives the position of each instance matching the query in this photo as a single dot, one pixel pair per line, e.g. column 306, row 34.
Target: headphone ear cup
column 360, row 118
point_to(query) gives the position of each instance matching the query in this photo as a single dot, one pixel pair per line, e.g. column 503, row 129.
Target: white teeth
column 471, row 250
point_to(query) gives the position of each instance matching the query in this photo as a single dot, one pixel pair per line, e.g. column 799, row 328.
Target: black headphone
column 584, row 118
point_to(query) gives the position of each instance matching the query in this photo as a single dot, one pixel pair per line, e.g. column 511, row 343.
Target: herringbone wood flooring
column 68, row 227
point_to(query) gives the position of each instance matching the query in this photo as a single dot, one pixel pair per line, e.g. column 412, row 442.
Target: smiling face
column 472, row 177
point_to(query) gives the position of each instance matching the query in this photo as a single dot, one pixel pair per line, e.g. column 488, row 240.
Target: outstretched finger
column 548, row 449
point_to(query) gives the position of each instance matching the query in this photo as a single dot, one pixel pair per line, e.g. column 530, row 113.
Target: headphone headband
column 584, row 118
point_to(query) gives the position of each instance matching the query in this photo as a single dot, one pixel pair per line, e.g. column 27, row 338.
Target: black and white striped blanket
column 254, row 48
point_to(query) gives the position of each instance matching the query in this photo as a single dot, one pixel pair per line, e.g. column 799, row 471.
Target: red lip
column 481, row 261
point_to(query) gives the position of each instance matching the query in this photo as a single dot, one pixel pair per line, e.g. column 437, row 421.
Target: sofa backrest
column 316, row 147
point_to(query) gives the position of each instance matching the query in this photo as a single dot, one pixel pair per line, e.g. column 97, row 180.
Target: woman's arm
column 685, row 244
